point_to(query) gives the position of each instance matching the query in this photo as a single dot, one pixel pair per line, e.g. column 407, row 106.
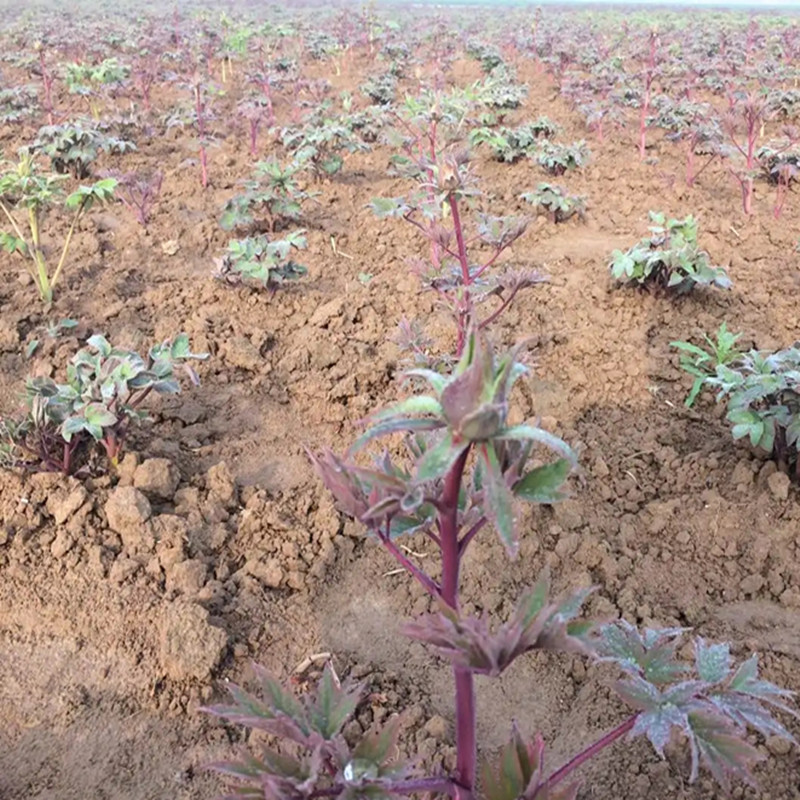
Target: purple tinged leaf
column 719, row 747
column 713, row 662
column 532, row 602
column 517, row 772
column 385, row 507
column 249, row 767
column 468, row 642
column 462, row 395
column 651, row 655
column 252, row 712
column 743, row 710
column 638, row 693
column 333, row 706
column 379, row 747
column 418, row 404
column 483, row 423
column 560, row 633
column 498, row 500
column 341, row 483
column 620, row 642
column 682, row 694
column 393, row 425
column 657, row 725
column 566, row 792
column 746, row 680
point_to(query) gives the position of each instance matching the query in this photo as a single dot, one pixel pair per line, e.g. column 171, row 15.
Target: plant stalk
column 584, row 756
column 466, row 745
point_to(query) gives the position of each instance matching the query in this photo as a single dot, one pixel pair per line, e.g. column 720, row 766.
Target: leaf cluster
column 17, row 103
column 273, row 192
column 73, row 147
column 558, row 158
column 84, row 78
column 101, row 396
column 762, row 392
column 669, row 258
column 702, row 362
column 711, row 702
column 467, row 413
column 315, row 758
column 321, row 143
column 263, row 261
column 381, row 89
column 556, row 202
column 512, row 144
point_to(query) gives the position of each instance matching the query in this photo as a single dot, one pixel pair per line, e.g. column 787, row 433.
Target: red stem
column 430, row 585
column 585, row 755
column 466, row 745
column 465, row 309
column 506, row 303
column 470, row 535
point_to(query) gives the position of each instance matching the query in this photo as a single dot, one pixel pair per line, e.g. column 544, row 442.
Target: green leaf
column 100, row 343
column 498, row 500
column 386, row 207
column 72, row 426
column 419, row 404
column 713, row 662
column 726, row 754
column 12, row 244
column 333, row 705
column 542, row 484
column 439, row 459
column 395, row 425
column 436, row 381
column 378, row 745
column 98, row 415
column 532, row 434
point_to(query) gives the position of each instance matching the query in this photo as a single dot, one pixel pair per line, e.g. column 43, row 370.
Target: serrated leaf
column 716, row 744
column 745, row 710
column 657, row 725
column 639, row 693
column 713, row 662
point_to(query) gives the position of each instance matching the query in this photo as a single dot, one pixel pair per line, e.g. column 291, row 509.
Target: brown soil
column 674, row 523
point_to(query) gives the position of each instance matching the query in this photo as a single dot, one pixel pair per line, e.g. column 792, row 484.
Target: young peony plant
column 669, row 259
column 102, row 396
column 467, row 469
column 257, row 259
